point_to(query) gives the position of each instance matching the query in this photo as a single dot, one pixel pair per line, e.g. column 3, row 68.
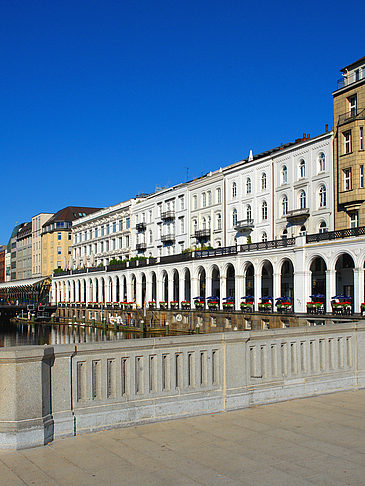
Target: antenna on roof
column 187, row 174
column 250, row 156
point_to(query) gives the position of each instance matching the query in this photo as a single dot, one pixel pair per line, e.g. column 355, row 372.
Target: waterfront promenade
column 318, row 440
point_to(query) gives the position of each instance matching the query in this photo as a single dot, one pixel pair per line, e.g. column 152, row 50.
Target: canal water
column 33, row 334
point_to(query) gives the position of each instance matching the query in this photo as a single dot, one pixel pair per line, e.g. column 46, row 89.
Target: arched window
column 264, row 236
column 284, row 205
column 195, row 225
column 248, row 212
column 263, row 181
column 248, row 186
column 209, row 222
column 195, row 202
column 302, row 168
column 234, row 190
column 204, row 223
column 303, row 231
column 219, row 221
column 302, row 200
column 204, row 200
column 218, row 194
column 234, row 217
column 209, row 198
column 322, row 196
column 264, row 210
column 284, row 174
column 284, row 234
column 322, row 162
column 323, row 227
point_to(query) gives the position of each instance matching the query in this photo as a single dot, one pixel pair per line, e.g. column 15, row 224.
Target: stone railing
column 50, row 392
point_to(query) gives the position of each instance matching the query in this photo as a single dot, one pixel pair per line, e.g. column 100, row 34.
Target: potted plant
column 362, row 308
column 199, row 304
column 228, row 304
column 151, row 304
column 185, row 304
column 265, row 306
column 174, row 304
column 283, row 304
column 246, row 304
column 213, row 304
column 163, row 304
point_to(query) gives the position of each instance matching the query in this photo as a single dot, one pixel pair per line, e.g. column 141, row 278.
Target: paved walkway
column 317, row 441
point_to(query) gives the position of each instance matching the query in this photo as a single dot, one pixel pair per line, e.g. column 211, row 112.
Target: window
column 248, row 212
column 209, row 198
column 347, row 179
column 303, row 231
column 204, row 224
column 322, row 196
column 248, row 186
column 209, row 222
column 69, row 236
column 58, row 264
column 219, row 221
column 234, row 190
column 219, row 195
column 361, row 145
column 284, row 206
column 302, row 168
column 114, row 227
column 352, row 101
column 284, row 234
column 128, row 224
column 354, row 219
column 323, row 227
column 264, row 236
column 361, row 176
column 107, row 245
column 59, row 236
column 302, row 200
column 182, row 225
column 195, row 225
column 127, row 241
column 107, row 229
column 234, row 217
column 120, row 226
column 102, row 231
column 347, row 142
column 58, row 250
column 263, row 181
column 120, row 242
column 284, row 174
column 264, row 210
column 322, row 162
column 195, row 202
column 150, row 213
column 150, row 237
column 204, row 200
column 182, row 204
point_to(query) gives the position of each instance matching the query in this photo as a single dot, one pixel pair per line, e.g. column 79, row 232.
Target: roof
column 25, row 231
column 22, row 283
column 70, row 213
column 354, row 64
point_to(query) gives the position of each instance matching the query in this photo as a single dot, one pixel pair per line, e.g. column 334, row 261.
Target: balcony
column 358, row 114
column 244, row 225
column 169, row 238
column 168, row 215
column 141, row 246
column 297, row 216
column 141, row 227
column 202, row 234
column 352, row 77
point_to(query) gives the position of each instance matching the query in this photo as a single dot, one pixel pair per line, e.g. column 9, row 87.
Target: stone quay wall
column 48, row 392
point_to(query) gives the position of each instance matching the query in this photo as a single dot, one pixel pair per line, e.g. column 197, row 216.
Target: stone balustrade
column 54, row 391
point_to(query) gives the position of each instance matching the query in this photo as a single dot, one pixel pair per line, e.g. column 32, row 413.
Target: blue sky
column 102, row 100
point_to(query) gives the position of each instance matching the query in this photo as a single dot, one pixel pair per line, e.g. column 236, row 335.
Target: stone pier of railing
column 48, row 392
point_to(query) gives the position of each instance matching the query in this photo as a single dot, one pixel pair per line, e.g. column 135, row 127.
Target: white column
column 87, row 283
column 194, row 289
column 208, row 285
column 148, row 289
column 72, row 291
column 138, row 291
column 223, row 290
column 302, row 285
column 94, row 290
column 182, row 295
column 330, row 288
column 170, row 289
column 358, row 289
column 238, row 286
column 257, row 290
column 54, row 293
column 114, row 290
column 276, row 288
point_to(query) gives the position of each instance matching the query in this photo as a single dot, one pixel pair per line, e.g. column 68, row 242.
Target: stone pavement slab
column 312, row 441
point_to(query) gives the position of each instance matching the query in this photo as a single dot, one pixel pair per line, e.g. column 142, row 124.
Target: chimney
column 326, row 127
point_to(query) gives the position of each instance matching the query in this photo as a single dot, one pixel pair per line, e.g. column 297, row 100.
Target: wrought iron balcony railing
column 358, row 114
column 141, row 246
column 168, row 215
column 167, row 238
column 203, row 233
column 244, row 225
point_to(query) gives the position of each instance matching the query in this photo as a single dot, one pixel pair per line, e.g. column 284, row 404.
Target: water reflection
column 33, row 334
